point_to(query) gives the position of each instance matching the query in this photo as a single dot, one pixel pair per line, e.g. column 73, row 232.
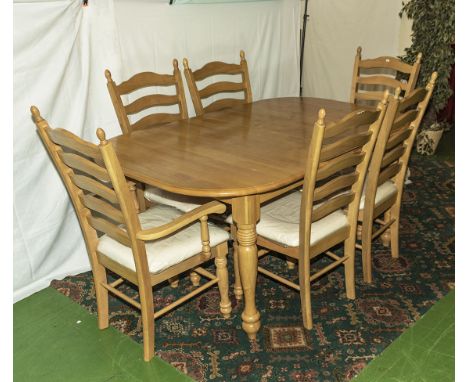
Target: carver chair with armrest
column 216, row 68
column 144, row 249
column 305, row 224
column 371, row 77
column 155, row 100
column 386, row 176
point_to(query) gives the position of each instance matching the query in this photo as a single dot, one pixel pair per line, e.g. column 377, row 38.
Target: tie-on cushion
column 165, row 252
column 181, row 202
column 384, row 192
column 279, row 221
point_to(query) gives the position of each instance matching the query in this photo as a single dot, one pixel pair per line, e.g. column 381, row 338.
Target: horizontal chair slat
column 359, row 118
column 224, row 103
column 386, row 62
column 215, row 68
column 332, row 205
column 344, row 145
column 64, row 138
column 77, row 162
column 397, row 138
column 103, row 208
column 152, row 100
column 155, row 119
column 392, row 155
column 145, row 79
column 340, row 163
column 413, row 98
column 389, row 173
column 381, row 80
column 221, row 87
column 369, row 96
column 110, row 229
column 404, row 119
column 93, row 186
column 335, row 185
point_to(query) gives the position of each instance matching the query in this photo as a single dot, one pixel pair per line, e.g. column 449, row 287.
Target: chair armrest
column 182, row 221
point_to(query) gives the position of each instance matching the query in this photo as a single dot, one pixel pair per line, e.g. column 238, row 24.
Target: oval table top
column 246, row 150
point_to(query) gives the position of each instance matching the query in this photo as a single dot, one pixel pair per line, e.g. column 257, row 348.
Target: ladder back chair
column 141, row 81
column 372, row 76
column 304, row 224
column 386, row 176
column 218, row 68
column 144, row 249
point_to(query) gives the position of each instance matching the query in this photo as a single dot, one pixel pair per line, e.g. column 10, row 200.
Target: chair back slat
column 416, row 96
column 396, row 138
column 93, row 186
column 373, row 76
column 336, row 168
column 213, row 69
column 147, row 101
column 403, row 120
column 152, row 100
column 144, row 80
column 104, row 208
column 84, row 165
column 110, row 229
column 344, row 145
column 393, row 155
column 334, row 186
column 388, row 172
column 326, row 169
column 66, row 139
column 381, row 80
column 216, row 68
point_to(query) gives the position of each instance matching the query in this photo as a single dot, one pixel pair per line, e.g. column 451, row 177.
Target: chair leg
column 366, row 250
column 349, row 252
column 147, row 318
column 223, row 282
column 238, row 292
column 304, row 283
column 195, row 278
column 102, row 296
column 385, row 238
column 395, row 232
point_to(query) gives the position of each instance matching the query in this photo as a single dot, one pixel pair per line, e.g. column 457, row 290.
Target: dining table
column 242, row 156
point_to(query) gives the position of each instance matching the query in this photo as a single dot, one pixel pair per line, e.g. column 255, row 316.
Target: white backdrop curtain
column 60, row 52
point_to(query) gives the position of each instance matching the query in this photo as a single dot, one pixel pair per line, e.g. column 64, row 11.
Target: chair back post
column 313, row 159
column 191, row 83
column 82, row 213
column 357, row 60
column 413, row 77
column 180, row 90
column 245, row 78
column 119, row 107
column 127, row 206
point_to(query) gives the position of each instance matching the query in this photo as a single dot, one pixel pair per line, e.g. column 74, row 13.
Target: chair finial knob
column 397, row 92
column 419, row 57
column 175, row 63
column 36, row 114
column 108, row 74
column 432, row 81
column 359, row 51
column 185, row 62
column 242, row 55
column 101, row 135
column 321, row 116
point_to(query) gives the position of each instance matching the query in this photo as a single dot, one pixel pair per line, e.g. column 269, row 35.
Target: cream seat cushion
column 165, row 252
column 181, row 202
column 384, row 192
column 279, row 221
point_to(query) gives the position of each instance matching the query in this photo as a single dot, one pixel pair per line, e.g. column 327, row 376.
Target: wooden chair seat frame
column 390, row 163
column 218, row 68
column 336, row 166
column 103, row 203
column 370, row 87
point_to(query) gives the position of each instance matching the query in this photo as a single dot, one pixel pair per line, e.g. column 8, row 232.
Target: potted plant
column 433, row 34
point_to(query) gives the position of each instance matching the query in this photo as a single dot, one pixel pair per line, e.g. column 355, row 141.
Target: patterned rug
column 346, row 335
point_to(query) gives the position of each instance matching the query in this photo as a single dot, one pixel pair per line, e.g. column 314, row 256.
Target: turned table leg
column 245, row 213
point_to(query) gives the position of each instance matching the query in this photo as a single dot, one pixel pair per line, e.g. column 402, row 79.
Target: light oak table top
column 246, row 150
column 243, row 156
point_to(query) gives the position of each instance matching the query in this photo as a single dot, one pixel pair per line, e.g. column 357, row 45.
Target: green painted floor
column 425, row 352
column 57, row 340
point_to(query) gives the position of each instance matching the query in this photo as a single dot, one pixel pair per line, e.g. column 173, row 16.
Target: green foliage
column 433, row 36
